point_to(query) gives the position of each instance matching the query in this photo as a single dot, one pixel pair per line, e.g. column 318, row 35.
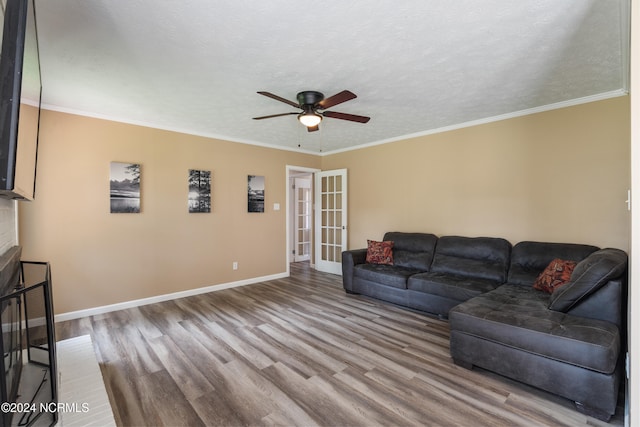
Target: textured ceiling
column 417, row 66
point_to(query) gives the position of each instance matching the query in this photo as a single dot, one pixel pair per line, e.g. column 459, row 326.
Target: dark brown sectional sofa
column 570, row 342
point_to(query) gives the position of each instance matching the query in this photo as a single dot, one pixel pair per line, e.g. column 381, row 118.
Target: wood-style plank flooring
column 300, row 352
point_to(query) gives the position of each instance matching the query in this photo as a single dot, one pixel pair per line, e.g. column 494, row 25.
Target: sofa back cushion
column 529, row 259
column 588, row 276
column 476, row 257
column 412, row 250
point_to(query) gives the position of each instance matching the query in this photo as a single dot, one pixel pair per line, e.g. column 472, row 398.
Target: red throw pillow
column 557, row 273
column 379, row 252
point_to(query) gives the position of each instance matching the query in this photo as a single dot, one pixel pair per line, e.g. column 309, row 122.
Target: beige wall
column 559, row 176
column 98, row 258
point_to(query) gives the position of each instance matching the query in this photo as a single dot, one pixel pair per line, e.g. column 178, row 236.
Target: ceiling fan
column 311, row 102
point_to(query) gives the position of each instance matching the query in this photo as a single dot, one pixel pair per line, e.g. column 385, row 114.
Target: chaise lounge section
column 567, row 339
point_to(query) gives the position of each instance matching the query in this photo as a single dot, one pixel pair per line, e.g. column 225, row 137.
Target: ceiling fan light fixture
column 310, row 102
column 310, row 118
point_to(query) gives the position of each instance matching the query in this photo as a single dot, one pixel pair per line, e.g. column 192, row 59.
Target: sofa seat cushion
column 458, row 288
column 518, row 317
column 389, row 275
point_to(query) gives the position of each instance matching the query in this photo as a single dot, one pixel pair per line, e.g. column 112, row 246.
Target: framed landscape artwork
column 255, row 193
column 199, row 191
column 125, row 187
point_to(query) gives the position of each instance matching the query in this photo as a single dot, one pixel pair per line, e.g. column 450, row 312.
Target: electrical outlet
column 235, row 265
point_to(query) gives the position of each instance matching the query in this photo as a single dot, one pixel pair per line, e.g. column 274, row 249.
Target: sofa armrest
column 349, row 260
column 607, row 303
column 589, row 276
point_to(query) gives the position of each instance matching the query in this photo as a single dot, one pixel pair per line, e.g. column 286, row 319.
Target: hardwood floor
column 300, row 352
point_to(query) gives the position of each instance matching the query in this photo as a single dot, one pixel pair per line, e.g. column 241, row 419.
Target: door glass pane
column 338, row 183
column 331, row 188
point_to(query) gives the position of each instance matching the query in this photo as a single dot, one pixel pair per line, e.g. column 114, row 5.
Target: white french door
column 331, row 219
column 302, row 215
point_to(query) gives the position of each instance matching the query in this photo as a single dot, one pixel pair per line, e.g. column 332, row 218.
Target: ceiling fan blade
column 279, row 98
column 313, row 128
column 345, row 116
column 273, row 115
column 336, row 99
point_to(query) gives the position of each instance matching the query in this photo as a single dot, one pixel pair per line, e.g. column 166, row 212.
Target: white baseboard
column 159, row 298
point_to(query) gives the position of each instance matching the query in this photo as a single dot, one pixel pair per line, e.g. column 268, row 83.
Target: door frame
column 290, row 172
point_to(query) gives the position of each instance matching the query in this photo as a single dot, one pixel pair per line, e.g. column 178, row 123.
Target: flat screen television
column 20, row 93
